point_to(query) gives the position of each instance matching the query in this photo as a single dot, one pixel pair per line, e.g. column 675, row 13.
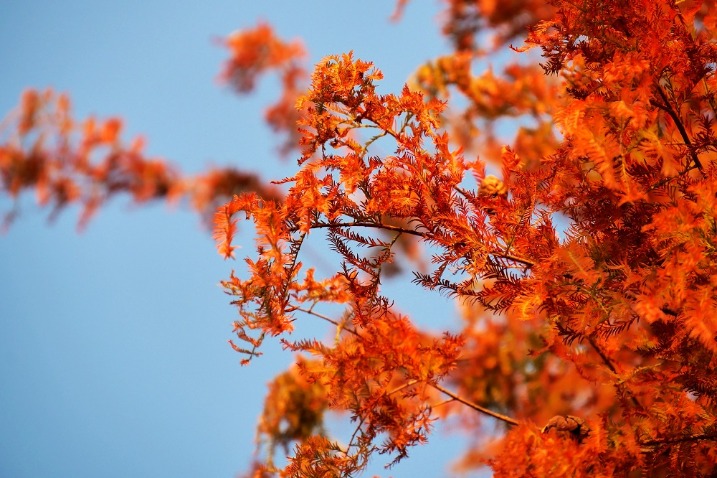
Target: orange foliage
column 585, row 273
column 257, row 51
column 86, row 162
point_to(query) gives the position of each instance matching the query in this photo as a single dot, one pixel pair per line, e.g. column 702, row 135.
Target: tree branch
column 388, row 227
column 667, row 107
column 476, row 407
column 602, row 355
column 328, row 319
column 664, row 181
column 511, row 257
column 668, row 441
column 612, row 368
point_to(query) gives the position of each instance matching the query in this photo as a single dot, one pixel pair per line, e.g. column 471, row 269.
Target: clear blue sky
column 113, row 352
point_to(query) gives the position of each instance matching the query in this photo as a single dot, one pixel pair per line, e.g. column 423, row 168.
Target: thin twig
column 511, row 257
column 669, row 441
column 666, row 180
column 602, row 355
column 401, row 387
column 612, row 368
column 353, row 436
column 667, row 107
column 388, row 227
column 474, row 406
column 443, row 402
column 327, row 319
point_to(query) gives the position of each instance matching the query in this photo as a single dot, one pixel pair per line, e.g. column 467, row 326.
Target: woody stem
column 475, row 406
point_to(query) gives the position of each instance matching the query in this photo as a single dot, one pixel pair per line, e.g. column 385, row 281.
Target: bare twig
column 328, row 319
column 612, row 368
column 511, row 257
column 666, row 180
column 443, row 402
column 474, row 406
column 388, row 227
column 667, row 107
column 669, row 441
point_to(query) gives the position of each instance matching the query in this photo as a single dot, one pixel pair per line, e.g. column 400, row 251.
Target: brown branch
column 669, row 441
column 664, row 181
column 612, row 368
column 389, row 227
column 442, row 402
column 476, row 407
column 602, row 355
column 511, row 257
column 327, row 319
column 462, row 400
column 353, row 436
column 667, row 107
column 363, row 224
column 410, row 383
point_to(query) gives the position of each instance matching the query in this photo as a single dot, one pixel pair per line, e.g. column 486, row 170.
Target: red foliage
column 257, row 51
column 86, row 162
column 585, row 273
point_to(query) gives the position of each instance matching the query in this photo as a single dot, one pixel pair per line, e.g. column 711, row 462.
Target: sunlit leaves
column 626, row 287
column 68, row 161
column 257, row 51
column 582, row 255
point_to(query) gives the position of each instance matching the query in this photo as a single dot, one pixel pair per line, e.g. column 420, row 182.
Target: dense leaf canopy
column 579, row 249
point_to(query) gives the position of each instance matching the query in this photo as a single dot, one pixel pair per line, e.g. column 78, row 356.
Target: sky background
column 114, row 359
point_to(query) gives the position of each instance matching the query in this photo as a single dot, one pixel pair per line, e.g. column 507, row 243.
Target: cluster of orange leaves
column 608, row 329
column 585, row 274
column 86, row 162
column 256, row 51
column 40, row 153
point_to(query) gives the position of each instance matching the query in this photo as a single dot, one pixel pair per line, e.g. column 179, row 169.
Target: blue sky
column 113, row 345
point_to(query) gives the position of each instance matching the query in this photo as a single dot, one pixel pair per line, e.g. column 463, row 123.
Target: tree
column 584, row 271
